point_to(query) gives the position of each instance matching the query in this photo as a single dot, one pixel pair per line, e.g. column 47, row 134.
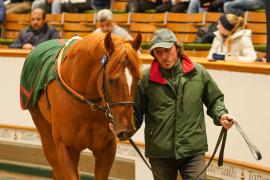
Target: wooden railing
column 254, row 67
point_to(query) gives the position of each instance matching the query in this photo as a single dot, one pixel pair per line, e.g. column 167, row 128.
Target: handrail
column 253, row 67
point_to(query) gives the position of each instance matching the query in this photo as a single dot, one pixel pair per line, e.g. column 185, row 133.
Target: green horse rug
column 39, row 69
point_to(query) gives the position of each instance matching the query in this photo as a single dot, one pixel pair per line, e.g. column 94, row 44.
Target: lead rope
column 222, row 137
column 144, row 160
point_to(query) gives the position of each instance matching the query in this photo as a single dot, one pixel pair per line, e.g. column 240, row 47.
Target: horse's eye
column 112, row 81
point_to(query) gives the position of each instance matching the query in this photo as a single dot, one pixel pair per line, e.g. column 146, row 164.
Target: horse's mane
column 123, row 51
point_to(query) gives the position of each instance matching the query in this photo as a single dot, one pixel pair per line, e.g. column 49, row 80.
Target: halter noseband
column 92, row 102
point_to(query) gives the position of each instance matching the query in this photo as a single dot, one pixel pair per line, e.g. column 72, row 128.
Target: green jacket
column 171, row 103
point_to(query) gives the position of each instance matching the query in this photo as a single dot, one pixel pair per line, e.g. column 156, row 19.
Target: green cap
column 163, row 38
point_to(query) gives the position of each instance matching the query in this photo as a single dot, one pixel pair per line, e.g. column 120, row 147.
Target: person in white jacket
column 232, row 42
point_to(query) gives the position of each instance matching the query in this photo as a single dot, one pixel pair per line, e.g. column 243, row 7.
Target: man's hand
column 226, row 120
column 27, row 46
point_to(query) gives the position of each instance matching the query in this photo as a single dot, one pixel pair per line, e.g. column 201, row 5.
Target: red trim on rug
column 27, row 94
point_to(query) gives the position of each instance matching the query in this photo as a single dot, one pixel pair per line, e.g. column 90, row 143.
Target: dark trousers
column 189, row 168
column 179, row 7
column 141, row 6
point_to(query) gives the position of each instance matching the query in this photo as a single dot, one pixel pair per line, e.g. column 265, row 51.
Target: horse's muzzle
column 124, row 135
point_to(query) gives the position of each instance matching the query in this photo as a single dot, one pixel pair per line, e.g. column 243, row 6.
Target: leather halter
column 92, row 102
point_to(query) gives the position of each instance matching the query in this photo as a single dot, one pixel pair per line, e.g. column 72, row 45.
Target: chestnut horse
column 96, row 85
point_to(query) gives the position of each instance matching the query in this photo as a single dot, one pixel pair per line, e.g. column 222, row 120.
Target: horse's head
column 118, row 82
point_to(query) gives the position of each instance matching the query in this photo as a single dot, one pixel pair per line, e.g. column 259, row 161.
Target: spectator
column 206, row 34
column 245, row 5
column 231, row 41
column 53, row 6
column 170, row 98
column 199, row 6
column 37, row 33
column 142, row 5
column 179, row 6
column 2, row 11
column 106, row 24
column 19, row 6
column 101, row 4
column 76, row 6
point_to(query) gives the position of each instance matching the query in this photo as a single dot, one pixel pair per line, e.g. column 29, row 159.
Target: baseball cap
column 163, row 38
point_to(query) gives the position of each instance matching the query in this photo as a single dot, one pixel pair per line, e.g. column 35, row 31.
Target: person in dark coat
column 169, row 99
column 38, row 32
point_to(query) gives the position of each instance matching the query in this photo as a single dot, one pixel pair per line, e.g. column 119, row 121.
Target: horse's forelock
column 124, row 54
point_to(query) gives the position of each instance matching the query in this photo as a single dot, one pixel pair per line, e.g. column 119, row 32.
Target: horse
column 94, row 89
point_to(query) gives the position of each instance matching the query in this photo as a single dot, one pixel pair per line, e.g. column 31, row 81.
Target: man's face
column 167, row 57
column 37, row 20
column 106, row 26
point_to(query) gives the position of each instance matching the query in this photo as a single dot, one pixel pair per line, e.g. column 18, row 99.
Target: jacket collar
column 43, row 29
column 156, row 75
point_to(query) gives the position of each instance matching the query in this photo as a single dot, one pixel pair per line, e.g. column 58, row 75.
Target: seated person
column 53, row 6
column 19, row 6
column 199, row 6
column 2, row 11
column 101, row 4
column 106, row 24
column 231, row 41
column 76, row 6
column 245, row 5
column 179, row 6
column 142, row 5
column 37, row 33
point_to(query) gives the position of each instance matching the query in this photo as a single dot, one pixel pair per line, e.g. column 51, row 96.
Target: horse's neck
column 81, row 74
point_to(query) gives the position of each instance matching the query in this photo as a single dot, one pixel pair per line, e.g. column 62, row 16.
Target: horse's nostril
column 123, row 135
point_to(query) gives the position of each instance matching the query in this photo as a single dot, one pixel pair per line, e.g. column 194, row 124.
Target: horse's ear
column 108, row 43
column 136, row 43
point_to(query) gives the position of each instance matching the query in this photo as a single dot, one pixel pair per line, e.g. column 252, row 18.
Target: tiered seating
column 56, row 20
column 257, row 23
column 80, row 24
column 184, row 25
column 146, row 23
column 14, row 23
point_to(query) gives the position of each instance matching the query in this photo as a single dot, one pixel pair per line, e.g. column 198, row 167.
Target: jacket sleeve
column 140, row 104
column 18, row 43
column 213, row 98
column 54, row 34
column 248, row 51
column 214, row 48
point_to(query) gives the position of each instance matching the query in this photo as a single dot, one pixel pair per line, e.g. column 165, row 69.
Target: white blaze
column 129, row 79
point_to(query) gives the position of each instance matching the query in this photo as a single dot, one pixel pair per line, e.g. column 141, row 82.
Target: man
column 170, row 97
column 106, row 24
column 37, row 33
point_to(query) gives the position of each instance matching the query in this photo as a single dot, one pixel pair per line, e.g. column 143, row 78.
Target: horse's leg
column 104, row 161
column 70, row 159
column 49, row 148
